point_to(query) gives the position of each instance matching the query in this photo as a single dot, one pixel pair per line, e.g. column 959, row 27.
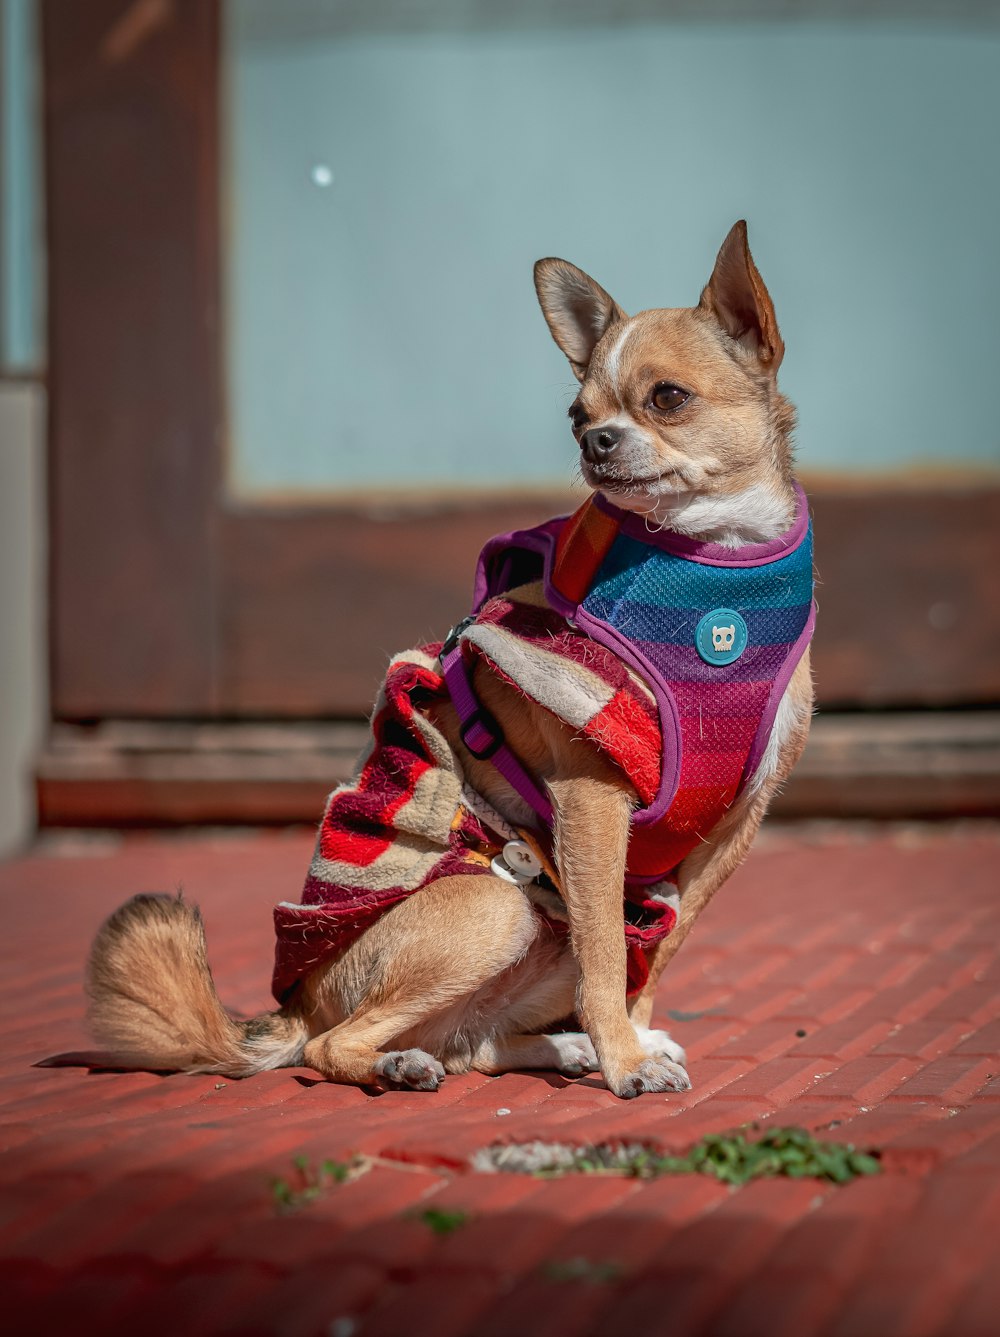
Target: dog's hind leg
column 540, row 990
column 353, row 1053
column 411, row 983
column 569, row 1052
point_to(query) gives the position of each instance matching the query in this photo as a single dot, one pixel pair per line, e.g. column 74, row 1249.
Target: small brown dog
column 684, row 437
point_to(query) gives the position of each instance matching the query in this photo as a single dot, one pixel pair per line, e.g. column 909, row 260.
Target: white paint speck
column 942, row 615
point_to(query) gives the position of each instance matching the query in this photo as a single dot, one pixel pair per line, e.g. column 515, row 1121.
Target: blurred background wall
column 23, row 605
column 287, row 371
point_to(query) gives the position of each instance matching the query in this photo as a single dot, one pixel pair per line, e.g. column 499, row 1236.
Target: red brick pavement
column 847, row 980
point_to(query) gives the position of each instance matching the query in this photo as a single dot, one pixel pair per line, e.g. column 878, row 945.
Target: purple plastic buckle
column 481, row 722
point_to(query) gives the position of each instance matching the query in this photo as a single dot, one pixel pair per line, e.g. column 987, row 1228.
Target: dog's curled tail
column 153, row 1003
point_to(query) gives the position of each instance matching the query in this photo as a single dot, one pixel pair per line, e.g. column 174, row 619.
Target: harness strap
column 482, row 734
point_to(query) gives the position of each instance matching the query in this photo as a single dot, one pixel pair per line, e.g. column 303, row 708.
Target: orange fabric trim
column 581, row 547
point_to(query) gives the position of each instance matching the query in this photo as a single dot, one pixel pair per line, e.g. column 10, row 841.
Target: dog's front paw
column 652, row 1074
column 409, row 1067
column 575, row 1053
column 658, row 1044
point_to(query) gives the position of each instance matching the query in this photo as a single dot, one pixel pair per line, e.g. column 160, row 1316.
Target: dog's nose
column 599, row 442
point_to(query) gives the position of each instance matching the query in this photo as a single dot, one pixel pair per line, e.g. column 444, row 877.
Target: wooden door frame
column 172, row 602
column 134, row 393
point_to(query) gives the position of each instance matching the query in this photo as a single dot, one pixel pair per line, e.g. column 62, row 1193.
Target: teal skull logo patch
column 721, row 636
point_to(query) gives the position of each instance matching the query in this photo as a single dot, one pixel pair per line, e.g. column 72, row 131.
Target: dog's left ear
column 576, row 308
column 735, row 295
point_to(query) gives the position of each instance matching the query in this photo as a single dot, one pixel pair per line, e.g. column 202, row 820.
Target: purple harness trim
column 712, row 554
column 483, row 736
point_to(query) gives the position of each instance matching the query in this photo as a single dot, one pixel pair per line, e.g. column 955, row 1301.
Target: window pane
column 389, row 189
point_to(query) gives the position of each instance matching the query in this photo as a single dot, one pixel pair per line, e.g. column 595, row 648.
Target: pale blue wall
column 23, row 651
column 383, row 329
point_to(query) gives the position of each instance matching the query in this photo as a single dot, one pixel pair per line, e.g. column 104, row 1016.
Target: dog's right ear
column 735, row 295
column 577, row 310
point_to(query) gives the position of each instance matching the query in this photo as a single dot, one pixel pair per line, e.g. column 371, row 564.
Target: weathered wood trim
column 926, row 764
column 316, row 601
column 154, row 774
column 906, row 588
column 151, row 773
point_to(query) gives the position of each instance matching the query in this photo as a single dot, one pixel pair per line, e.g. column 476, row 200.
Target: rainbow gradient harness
column 662, row 604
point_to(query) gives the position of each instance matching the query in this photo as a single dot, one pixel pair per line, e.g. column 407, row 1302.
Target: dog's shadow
column 556, row 1081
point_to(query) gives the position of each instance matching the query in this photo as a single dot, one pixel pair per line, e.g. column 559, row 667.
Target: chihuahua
column 513, row 956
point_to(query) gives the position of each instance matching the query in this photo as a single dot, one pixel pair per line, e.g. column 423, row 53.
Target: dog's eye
column 667, row 396
column 579, row 417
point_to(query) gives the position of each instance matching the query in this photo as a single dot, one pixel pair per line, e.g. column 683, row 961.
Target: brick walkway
column 844, row 980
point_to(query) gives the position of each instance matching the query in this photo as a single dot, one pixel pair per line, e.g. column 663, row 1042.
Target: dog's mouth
column 611, row 479
column 613, row 483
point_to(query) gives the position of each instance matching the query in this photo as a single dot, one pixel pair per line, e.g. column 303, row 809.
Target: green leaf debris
column 733, row 1158
column 307, row 1182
